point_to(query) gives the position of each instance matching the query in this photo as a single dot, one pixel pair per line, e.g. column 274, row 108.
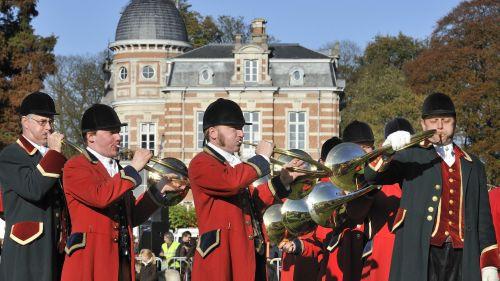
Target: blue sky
column 86, row 27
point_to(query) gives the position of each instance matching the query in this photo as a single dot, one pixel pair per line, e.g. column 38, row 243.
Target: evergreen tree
column 25, row 60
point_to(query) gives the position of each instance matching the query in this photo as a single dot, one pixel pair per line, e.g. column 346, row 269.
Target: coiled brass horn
column 296, row 217
column 346, row 161
column 158, row 176
column 273, row 223
column 327, row 203
column 302, row 185
column 317, row 169
column 159, row 171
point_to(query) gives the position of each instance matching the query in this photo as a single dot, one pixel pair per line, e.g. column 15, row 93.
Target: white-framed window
column 199, row 129
column 123, row 73
column 148, row 136
column 296, row 76
column 148, row 72
column 251, row 132
column 124, row 136
column 205, row 76
column 251, row 70
column 297, row 129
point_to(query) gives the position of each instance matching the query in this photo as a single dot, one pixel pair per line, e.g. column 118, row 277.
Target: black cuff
column 279, row 188
column 298, row 246
column 260, row 164
column 131, row 172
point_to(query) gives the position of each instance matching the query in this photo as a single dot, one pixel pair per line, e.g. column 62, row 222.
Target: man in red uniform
column 494, row 195
column 229, row 211
column 385, row 205
column 342, row 248
column 102, row 207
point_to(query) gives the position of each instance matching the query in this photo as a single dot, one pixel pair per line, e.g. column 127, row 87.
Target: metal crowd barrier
column 184, row 268
column 277, row 261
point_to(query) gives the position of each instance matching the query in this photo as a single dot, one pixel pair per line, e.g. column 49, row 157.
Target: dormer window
column 250, row 70
column 205, row 76
column 296, row 76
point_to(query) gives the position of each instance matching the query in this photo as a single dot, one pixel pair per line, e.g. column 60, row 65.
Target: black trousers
column 445, row 263
column 260, row 267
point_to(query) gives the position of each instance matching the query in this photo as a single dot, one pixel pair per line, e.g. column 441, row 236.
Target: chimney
column 237, row 39
column 259, row 35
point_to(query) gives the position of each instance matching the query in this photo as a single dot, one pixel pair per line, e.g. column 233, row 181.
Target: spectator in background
column 186, row 250
column 168, row 250
column 148, row 271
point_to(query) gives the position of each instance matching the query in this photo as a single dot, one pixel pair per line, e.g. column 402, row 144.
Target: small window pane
column 123, row 73
column 148, row 72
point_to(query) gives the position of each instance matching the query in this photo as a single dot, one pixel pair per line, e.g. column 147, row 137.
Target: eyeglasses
column 42, row 123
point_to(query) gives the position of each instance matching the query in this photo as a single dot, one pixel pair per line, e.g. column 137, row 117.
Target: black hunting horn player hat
column 38, row 103
column 223, row 112
column 358, row 132
column 438, row 104
column 398, row 124
column 100, row 117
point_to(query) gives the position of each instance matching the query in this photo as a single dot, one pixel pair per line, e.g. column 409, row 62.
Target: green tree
column 25, row 60
column 379, row 94
column 462, row 61
column 180, row 217
column 378, row 90
column 392, row 50
column 201, row 30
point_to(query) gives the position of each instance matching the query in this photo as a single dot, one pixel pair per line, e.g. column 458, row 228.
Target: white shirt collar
column 43, row 149
column 108, row 163
column 232, row 159
column 447, row 153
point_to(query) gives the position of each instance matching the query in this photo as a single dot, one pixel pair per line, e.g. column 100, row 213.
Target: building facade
column 160, row 86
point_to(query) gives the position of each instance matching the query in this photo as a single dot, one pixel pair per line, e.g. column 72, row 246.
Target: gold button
column 57, row 215
column 446, row 233
column 450, row 180
column 434, row 198
column 451, row 202
column 437, row 186
column 450, row 212
column 431, row 209
column 115, row 239
column 450, row 223
column 429, row 218
column 452, row 191
column 450, row 170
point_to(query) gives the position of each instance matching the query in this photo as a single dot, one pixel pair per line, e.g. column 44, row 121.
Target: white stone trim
column 149, row 42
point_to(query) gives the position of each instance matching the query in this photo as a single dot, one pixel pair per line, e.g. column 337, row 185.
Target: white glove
column 398, row 139
column 489, row 273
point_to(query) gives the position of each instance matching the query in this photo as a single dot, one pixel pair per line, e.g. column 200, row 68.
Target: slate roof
column 151, row 19
column 278, row 51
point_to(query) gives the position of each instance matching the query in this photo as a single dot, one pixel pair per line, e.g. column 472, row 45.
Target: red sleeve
column 217, row 179
column 81, row 182
column 311, row 248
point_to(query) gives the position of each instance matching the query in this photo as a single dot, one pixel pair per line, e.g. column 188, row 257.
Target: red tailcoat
column 303, row 267
column 226, row 249
column 343, row 249
column 386, row 203
column 92, row 253
column 494, row 195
